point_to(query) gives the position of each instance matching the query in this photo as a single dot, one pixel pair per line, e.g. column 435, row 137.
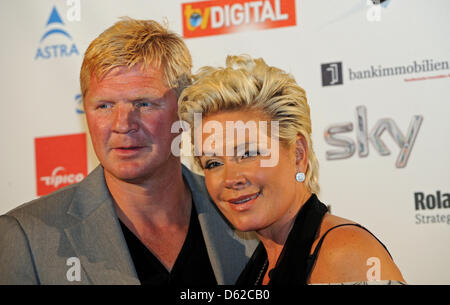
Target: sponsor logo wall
column 376, row 77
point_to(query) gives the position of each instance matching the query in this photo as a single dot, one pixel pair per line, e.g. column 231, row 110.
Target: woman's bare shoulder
column 348, row 253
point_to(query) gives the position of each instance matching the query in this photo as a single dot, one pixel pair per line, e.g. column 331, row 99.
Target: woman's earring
column 300, row 177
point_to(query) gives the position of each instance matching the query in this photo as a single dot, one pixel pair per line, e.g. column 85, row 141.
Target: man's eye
column 212, row 164
column 105, row 106
column 143, row 104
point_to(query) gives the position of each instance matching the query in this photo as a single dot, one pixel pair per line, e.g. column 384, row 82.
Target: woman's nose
column 234, row 179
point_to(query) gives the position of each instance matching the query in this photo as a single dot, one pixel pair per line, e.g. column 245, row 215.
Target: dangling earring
column 300, row 177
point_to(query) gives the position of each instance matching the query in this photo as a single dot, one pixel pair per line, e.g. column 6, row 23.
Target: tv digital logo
column 332, row 74
column 363, row 136
column 206, row 18
column 48, row 47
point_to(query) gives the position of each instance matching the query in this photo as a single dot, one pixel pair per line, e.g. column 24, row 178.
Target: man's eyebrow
column 152, row 99
column 139, row 99
column 101, row 100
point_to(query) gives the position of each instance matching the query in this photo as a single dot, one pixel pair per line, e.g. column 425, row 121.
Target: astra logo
column 217, row 17
column 48, row 48
column 363, row 136
column 332, row 74
column 79, row 102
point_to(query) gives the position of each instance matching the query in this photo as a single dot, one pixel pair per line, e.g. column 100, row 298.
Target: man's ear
column 301, row 151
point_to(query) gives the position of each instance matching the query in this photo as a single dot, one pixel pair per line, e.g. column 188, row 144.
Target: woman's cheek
column 211, row 185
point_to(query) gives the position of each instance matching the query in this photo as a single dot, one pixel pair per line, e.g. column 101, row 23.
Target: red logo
column 60, row 161
column 217, row 17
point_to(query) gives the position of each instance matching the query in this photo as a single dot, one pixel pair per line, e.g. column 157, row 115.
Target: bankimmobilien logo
column 207, row 18
column 332, row 73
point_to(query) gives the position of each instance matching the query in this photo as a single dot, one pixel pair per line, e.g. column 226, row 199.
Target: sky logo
column 49, row 49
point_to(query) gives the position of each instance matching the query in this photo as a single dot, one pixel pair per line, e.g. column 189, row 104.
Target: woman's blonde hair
column 251, row 84
column 129, row 42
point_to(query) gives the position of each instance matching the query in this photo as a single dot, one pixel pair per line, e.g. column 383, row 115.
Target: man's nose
column 125, row 119
column 234, row 178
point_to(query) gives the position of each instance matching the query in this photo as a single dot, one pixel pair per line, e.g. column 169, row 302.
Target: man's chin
column 131, row 175
column 135, row 171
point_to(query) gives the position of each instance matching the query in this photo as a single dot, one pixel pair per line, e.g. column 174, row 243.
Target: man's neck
column 161, row 200
column 157, row 210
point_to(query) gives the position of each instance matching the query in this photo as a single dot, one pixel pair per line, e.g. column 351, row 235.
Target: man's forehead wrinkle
column 135, row 87
column 150, row 72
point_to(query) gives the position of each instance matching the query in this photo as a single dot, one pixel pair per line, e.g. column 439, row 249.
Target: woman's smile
column 243, row 203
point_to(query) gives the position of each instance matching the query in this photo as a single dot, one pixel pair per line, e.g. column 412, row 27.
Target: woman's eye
column 250, row 154
column 212, row 164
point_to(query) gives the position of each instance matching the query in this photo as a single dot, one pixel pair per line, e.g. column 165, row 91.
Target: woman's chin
column 245, row 226
column 244, row 221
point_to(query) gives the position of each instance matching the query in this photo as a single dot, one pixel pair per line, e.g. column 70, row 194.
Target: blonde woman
column 252, row 113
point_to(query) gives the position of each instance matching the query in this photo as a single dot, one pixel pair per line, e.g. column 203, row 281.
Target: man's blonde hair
column 250, row 84
column 130, row 42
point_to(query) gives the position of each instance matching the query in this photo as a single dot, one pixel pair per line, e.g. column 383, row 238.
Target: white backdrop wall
column 40, row 90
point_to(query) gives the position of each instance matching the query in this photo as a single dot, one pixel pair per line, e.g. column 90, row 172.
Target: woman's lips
column 242, row 199
column 243, row 203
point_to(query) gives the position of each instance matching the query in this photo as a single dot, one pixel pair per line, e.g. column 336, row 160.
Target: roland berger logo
column 206, row 18
column 432, row 208
column 60, row 161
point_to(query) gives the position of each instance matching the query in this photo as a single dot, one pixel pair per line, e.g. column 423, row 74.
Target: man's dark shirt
column 192, row 266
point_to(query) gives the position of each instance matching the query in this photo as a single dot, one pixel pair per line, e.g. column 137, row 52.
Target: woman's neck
column 274, row 236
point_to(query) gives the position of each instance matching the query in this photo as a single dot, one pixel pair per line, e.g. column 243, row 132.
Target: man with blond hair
column 140, row 217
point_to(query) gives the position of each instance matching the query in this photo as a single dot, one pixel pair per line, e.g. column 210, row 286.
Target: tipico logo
column 60, row 161
column 55, row 48
column 59, row 177
column 206, row 18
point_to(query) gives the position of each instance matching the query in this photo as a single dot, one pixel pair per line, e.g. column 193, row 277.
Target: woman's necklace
column 261, row 272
